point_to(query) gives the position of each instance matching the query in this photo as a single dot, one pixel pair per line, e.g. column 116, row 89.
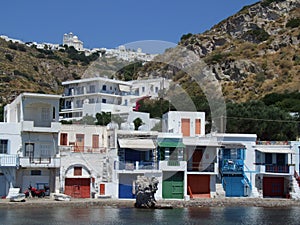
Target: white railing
column 9, row 160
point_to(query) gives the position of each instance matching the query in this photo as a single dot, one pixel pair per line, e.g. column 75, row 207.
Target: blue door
column 125, row 191
column 234, row 186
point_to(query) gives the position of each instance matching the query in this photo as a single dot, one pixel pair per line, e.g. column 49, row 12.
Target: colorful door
column 273, row 187
column 79, row 145
column 234, row 186
column 173, row 185
column 185, row 127
column 78, row 187
column 199, row 185
column 126, row 185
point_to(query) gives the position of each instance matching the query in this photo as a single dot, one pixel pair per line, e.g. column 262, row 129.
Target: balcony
column 82, row 149
column 131, row 166
column 172, row 165
column 9, row 160
column 202, row 167
column 272, row 169
column 232, row 166
column 38, row 162
column 54, row 127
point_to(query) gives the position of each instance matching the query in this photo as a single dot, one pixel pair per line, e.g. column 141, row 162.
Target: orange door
column 185, row 127
column 78, row 187
column 79, row 145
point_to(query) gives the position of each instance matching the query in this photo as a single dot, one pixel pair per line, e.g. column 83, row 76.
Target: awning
column 143, row 144
column 170, row 144
column 232, row 145
column 124, row 88
column 275, row 150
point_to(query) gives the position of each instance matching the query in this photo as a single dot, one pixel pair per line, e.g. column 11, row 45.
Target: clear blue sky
column 110, row 23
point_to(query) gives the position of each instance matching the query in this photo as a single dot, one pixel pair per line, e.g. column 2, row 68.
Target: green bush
column 293, row 23
column 256, row 35
column 9, row 57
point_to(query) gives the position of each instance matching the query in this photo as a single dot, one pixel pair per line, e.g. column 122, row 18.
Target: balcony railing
column 232, row 166
column 135, row 165
column 40, row 162
column 82, row 149
column 271, row 168
column 9, row 160
column 201, row 167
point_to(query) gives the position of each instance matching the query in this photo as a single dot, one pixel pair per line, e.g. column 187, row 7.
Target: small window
column 104, row 87
column 143, row 89
column 36, row 172
column 77, row 171
column 3, row 146
column 156, row 89
column 103, row 100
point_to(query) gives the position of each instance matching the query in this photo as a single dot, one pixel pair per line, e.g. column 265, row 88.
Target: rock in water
column 145, row 188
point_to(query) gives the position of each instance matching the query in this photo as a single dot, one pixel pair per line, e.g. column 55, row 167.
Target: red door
column 273, row 187
column 78, row 187
column 199, row 185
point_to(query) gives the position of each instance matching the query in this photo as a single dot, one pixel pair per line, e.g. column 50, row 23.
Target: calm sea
column 213, row 215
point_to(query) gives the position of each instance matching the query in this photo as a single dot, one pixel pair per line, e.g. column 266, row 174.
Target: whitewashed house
column 31, row 124
column 86, row 160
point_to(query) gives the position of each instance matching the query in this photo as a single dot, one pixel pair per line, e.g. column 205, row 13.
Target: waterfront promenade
column 83, row 203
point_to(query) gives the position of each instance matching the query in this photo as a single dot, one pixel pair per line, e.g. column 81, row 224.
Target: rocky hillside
column 251, row 53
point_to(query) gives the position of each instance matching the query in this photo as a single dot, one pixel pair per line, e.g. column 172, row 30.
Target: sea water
column 108, row 215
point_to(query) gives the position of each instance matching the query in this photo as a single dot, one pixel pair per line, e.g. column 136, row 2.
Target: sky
column 110, row 23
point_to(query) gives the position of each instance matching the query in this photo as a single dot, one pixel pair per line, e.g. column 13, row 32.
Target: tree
column 103, row 118
column 268, row 122
column 88, row 120
column 137, row 123
column 117, row 119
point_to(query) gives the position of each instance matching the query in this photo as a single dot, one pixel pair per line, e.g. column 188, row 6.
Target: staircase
column 220, row 193
column 295, row 193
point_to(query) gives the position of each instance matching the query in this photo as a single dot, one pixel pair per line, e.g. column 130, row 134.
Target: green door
column 173, row 185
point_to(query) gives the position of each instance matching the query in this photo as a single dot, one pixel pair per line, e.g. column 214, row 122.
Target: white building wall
column 172, row 122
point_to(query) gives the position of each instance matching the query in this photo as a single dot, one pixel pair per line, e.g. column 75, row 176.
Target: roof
column 275, row 150
column 142, row 144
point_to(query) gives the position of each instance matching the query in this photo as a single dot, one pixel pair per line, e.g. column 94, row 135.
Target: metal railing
column 135, row 165
column 277, row 169
column 83, row 149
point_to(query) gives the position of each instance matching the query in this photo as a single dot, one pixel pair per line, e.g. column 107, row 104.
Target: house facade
column 32, row 123
column 85, row 160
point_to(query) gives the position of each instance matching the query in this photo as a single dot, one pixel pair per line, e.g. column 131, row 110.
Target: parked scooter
column 34, row 192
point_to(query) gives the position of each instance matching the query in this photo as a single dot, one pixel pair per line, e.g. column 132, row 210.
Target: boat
column 20, row 197
column 61, row 197
column 14, row 195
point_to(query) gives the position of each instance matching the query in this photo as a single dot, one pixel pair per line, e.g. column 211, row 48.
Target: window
column 29, row 150
column 53, row 113
column 95, row 141
column 77, row 171
column 45, row 114
column 104, row 87
column 156, row 89
column 92, row 89
column 197, row 126
column 143, row 89
column 3, row 146
column 268, row 158
column 63, row 139
column 103, row 100
column 36, row 172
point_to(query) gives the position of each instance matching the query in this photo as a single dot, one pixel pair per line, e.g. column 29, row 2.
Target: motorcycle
column 34, row 192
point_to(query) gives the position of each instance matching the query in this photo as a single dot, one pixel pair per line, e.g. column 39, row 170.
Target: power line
column 256, row 119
